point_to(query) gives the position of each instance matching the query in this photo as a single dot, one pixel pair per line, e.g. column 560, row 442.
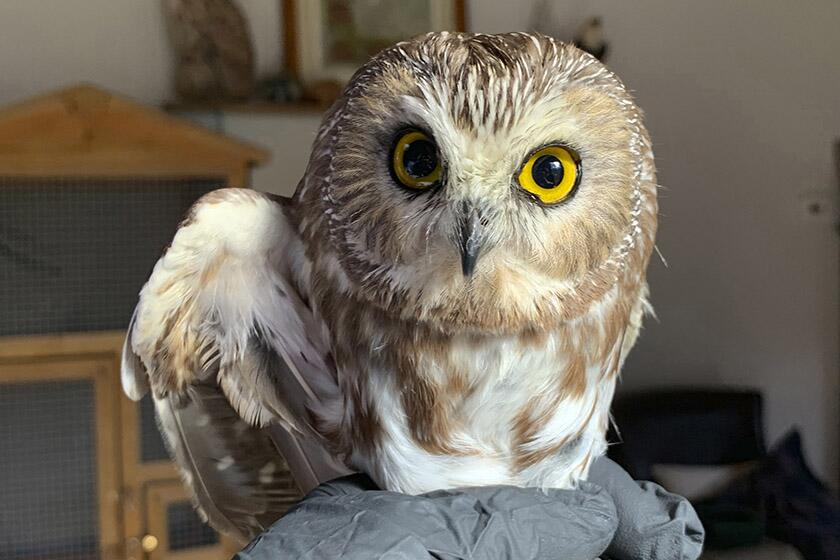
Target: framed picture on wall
column 330, row 39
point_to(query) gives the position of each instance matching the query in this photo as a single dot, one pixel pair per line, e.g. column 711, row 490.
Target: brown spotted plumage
column 361, row 319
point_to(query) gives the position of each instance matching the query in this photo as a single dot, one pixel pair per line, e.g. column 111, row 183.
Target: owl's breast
column 424, row 410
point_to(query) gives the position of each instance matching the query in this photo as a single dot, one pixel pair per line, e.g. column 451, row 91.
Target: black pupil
column 547, row 171
column 420, row 158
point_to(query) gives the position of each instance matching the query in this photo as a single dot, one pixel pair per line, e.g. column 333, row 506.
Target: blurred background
column 743, row 104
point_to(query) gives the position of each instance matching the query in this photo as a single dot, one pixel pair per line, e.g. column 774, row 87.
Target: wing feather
column 133, row 376
column 239, row 481
column 222, row 334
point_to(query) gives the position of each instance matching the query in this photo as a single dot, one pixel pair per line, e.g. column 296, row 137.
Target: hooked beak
column 470, row 236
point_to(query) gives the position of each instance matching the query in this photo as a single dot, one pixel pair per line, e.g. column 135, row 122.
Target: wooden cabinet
column 92, row 187
column 83, row 472
column 60, row 481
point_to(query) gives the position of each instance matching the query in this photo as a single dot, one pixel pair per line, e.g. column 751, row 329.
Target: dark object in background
column 800, row 509
column 686, row 427
column 214, row 55
column 778, row 497
column 794, row 506
column 282, row 88
column 590, row 38
column 285, row 88
column 695, row 427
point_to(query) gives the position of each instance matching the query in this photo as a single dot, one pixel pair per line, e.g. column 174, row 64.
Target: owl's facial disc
column 483, row 181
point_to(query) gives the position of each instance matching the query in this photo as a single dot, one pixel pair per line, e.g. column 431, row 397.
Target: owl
column 446, row 300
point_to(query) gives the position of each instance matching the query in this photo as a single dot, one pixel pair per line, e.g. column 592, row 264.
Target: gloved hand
column 610, row 516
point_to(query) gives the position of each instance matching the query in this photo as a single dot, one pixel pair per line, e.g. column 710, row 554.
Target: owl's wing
column 233, row 352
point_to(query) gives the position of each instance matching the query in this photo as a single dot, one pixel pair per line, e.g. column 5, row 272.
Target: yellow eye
column 552, row 174
column 414, row 160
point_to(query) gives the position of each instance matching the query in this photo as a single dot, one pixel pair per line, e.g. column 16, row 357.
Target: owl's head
column 494, row 182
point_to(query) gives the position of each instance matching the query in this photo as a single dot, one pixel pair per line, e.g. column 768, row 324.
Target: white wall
column 743, row 101
column 288, row 137
column 119, row 44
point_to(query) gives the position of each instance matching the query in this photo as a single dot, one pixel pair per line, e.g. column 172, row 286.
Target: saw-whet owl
column 446, row 300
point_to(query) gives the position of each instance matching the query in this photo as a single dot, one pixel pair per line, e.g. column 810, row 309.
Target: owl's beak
column 470, row 236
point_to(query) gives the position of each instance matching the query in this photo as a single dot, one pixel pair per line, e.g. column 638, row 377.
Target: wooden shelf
column 305, row 107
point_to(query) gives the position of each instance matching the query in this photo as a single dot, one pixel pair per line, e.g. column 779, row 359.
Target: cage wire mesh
column 75, row 253
column 48, row 497
column 185, row 529
column 152, row 447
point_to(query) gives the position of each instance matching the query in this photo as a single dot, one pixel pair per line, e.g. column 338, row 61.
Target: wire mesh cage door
column 160, row 520
column 59, row 479
column 175, row 530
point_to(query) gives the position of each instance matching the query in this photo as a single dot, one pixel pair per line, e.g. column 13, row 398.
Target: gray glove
column 653, row 524
column 610, row 515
